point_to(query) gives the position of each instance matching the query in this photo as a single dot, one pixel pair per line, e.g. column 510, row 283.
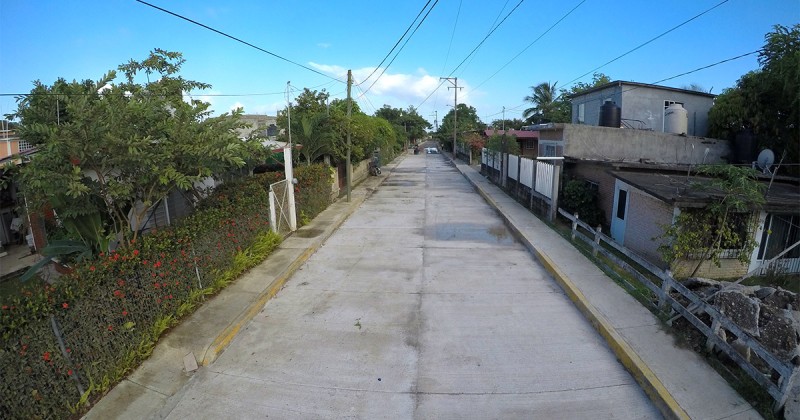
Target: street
column 422, row 305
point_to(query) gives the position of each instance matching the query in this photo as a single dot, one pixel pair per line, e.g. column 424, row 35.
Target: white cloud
column 236, row 105
column 323, row 45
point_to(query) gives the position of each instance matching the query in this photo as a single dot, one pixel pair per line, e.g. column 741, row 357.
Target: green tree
column 513, row 124
column 406, row 122
column 543, row 101
column 503, row 143
column 114, row 148
column 725, row 223
column 563, row 106
column 468, row 121
column 766, row 101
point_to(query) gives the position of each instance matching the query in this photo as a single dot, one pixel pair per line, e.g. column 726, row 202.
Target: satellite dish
column 765, row 160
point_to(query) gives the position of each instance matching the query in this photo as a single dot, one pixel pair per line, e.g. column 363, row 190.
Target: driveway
column 422, row 305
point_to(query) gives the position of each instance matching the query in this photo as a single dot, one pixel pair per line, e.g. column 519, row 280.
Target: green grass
column 790, row 282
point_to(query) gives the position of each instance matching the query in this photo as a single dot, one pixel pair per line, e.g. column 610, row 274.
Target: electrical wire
column 396, row 43
column 450, row 45
column 486, row 37
column 649, row 41
column 237, row 39
column 529, row 45
column 401, row 48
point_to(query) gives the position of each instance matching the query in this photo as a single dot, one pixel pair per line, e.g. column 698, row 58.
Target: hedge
column 68, row 343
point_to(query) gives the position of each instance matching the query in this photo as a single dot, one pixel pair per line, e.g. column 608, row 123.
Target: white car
column 431, row 150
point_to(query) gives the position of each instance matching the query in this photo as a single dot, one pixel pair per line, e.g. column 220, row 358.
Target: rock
column 741, row 348
column 791, row 410
column 781, row 298
column 763, row 292
column 777, row 333
column 739, row 308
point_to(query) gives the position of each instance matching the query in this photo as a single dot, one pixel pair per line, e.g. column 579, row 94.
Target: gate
column 279, row 218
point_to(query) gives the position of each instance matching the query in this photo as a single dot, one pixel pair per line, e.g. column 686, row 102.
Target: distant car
column 431, row 150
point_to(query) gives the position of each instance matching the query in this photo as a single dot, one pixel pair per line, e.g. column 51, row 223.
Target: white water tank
column 676, row 119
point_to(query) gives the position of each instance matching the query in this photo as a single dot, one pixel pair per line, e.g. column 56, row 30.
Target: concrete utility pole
column 454, row 81
column 289, row 112
column 349, row 168
column 435, row 120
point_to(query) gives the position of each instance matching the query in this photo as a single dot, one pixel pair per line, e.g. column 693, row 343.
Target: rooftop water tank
column 610, row 115
column 676, row 119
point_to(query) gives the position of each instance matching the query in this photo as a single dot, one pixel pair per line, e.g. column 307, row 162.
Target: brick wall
column 729, row 269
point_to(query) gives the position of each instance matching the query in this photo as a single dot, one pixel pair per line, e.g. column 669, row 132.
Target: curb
column 224, row 339
column 641, row 372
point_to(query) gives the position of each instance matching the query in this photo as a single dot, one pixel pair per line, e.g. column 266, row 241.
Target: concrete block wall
column 647, row 217
column 729, row 269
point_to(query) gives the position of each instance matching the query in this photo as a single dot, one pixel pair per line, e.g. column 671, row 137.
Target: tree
column 115, row 148
column 563, row 106
column 766, row 101
column 407, row 122
column 725, row 223
column 544, row 107
column 467, row 121
column 513, row 124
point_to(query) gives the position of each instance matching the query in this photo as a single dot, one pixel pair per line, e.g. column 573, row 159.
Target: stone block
column 777, row 333
column 739, row 308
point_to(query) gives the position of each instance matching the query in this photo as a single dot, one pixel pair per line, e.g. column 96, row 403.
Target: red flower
column 5, row 306
column 69, row 372
column 110, row 328
column 118, row 293
column 157, row 264
column 46, row 356
column 65, row 305
column 144, row 262
column 91, row 268
column 124, row 313
column 121, row 282
column 135, row 252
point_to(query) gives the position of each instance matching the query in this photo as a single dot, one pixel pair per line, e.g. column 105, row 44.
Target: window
column 581, row 113
column 530, row 144
column 24, row 145
column 547, row 150
column 621, row 201
column 780, row 232
column 592, row 186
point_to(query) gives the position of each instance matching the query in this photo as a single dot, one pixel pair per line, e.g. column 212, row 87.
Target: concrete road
column 422, row 305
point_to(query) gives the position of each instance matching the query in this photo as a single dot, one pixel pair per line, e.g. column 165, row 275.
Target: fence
column 780, row 375
column 528, row 180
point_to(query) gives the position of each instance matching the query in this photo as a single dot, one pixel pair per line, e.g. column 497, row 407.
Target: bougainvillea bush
column 65, row 343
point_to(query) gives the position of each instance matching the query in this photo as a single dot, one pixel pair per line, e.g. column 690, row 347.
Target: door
column 619, row 212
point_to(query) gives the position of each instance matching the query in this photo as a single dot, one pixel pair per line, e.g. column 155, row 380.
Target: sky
column 497, row 49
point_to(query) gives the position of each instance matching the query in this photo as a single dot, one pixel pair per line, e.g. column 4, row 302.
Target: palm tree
column 543, row 101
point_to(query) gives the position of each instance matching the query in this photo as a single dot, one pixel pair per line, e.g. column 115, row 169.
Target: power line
column 237, row 39
column 401, row 48
column 649, row 41
column 450, row 45
column 486, row 37
column 529, row 45
column 396, row 43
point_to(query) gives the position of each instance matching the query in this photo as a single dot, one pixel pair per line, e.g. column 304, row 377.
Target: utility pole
column 349, row 169
column 436, row 120
column 504, row 120
column 289, row 113
column 454, row 81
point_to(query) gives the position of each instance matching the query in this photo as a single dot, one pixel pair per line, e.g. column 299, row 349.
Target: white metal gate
column 279, row 207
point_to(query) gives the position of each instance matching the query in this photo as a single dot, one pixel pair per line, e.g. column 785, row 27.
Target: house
column 528, row 140
column 645, row 202
column 645, row 107
column 11, row 144
column 267, row 125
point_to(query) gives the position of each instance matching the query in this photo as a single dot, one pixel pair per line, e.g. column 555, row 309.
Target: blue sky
column 46, row 39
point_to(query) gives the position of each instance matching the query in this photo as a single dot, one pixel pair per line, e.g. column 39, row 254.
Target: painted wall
column 646, row 104
column 646, row 216
column 625, row 145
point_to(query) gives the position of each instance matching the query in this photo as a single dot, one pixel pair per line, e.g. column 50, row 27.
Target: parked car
column 431, row 150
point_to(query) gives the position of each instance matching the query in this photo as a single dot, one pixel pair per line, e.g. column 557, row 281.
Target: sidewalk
column 678, row 380
column 206, row 333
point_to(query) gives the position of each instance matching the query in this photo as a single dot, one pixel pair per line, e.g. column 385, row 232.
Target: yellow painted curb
column 641, row 372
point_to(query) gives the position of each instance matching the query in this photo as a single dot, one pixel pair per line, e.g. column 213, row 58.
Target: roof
column 520, row 134
column 622, row 82
column 680, row 190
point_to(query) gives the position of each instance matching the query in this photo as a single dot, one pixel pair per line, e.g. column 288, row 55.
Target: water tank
column 676, row 119
column 610, row 115
column 744, row 147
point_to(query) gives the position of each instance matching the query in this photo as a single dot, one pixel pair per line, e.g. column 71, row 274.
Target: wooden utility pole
column 349, row 169
column 454, row 81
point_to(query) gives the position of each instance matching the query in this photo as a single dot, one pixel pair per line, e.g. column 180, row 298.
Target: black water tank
column 744, row 147
column 610, row 115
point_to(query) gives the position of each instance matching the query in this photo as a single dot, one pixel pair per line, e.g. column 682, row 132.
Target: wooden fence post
column 574, row 226
column 596, row 246
column 666, row 288
column 714, row 332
